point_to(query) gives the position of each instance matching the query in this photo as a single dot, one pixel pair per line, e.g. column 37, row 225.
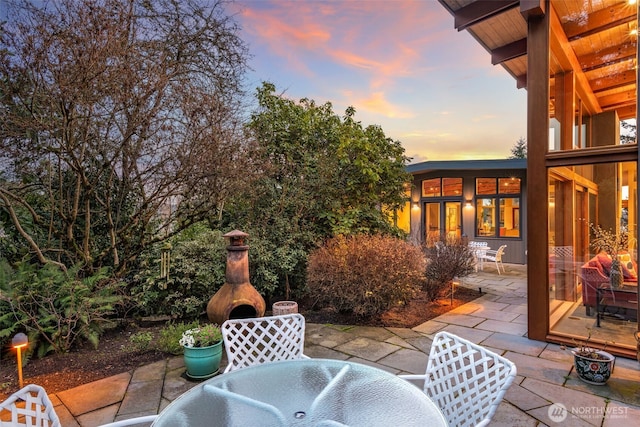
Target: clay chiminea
column 237, row 298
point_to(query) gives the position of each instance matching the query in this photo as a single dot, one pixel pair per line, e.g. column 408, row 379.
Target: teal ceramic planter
column 203, row 362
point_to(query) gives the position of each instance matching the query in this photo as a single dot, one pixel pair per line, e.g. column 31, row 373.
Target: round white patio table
column 306, row 392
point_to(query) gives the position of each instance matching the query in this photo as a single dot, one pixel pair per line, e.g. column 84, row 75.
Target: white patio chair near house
column 29, row 406
column 465, row 380
column 495, row 257
column 478, row 249
column 260, row 340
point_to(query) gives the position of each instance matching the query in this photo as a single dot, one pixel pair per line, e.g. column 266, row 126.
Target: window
column 452, row 187
column 431, row 187
column 442, row 187
column 499, row 214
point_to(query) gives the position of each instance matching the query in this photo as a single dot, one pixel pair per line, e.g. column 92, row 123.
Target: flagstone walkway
column 497, row 320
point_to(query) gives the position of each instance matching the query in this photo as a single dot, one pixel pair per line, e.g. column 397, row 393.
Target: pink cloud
column 385, row 40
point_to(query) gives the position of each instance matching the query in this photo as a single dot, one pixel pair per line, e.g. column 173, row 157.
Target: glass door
column 432, row 222
column 443, row 219
column 454, row 219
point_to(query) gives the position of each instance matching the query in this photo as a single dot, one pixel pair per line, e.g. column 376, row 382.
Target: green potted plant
column 593, row 365
column 612, row 244
column 202, row 347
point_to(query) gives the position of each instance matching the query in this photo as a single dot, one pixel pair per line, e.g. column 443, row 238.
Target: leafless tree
column 119, row 123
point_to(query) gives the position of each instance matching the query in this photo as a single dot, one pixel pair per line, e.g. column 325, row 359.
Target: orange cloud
column 378, row 104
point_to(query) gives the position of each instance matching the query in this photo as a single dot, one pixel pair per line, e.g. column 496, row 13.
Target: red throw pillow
column 605, row 262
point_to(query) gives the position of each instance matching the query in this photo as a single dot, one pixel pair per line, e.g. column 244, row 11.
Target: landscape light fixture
column 468, row 204
column 19, row 341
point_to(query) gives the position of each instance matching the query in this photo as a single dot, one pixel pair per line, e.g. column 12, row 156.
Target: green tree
column 119, row 124
column 321, row 175
column 519, row 149
column 628, row 132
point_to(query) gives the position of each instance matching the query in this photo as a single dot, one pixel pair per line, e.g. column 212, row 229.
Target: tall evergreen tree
column 519, row 150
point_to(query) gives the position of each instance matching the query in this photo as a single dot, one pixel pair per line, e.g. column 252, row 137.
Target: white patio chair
column 478, row 249
column 29, row 406
column 496, row 257
column 145, row 420
column 465, row 380
column 260, row 340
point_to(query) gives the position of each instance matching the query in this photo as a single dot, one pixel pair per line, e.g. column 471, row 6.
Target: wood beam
column 565, row 55
column 537, row 189
column 479, row 11
column 510, row 51
column 565, row 108
column 532, row 8
column 610, row 55
column 521, row 81
column 613, row 81
column 628, row 112
column 601, row 20
column 625, row 97
column 593, row 155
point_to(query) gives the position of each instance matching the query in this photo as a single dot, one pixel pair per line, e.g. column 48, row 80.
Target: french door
column 442, row 219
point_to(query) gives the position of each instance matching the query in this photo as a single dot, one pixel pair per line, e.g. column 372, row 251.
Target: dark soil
column 115, row 355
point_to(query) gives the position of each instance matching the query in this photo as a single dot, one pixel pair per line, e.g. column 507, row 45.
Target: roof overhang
column 598, row 41
column 456, row 165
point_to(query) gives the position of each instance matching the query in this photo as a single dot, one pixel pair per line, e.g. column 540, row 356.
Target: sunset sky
column 399, row 63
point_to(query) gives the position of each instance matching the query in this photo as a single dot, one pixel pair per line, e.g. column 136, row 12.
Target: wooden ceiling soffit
column 512, row 50
column 565, row 55
column 479, row 11
column 611, row 55
column 601, row 20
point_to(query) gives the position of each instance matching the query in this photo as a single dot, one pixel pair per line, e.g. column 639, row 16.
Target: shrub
column 141, row 341
column 56, row 309
column 363, row 274
column 447, row 259
column 170, row 335
column 197, row 271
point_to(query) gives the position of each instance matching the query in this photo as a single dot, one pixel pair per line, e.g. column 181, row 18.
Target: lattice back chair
column 29, row 406
column 260, row 340
column 496, row 257
column 478, row 249
column 465, row 380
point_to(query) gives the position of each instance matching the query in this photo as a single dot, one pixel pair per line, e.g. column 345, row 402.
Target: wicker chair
column 260, row 340
column 29, row 406
column 465, row 380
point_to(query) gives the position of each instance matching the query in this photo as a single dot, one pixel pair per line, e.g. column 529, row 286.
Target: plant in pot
column 202, row 347
column 612, row 244
column 593, row 366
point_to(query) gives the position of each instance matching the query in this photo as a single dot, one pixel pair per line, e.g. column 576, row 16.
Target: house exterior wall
column 516, row 251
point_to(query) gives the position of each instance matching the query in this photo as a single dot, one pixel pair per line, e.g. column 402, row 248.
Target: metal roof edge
column 466, row 165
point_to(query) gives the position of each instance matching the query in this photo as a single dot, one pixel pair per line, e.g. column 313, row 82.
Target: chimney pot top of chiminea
column 236, row 237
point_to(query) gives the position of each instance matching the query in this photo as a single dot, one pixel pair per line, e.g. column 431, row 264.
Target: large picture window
column 498, row 215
